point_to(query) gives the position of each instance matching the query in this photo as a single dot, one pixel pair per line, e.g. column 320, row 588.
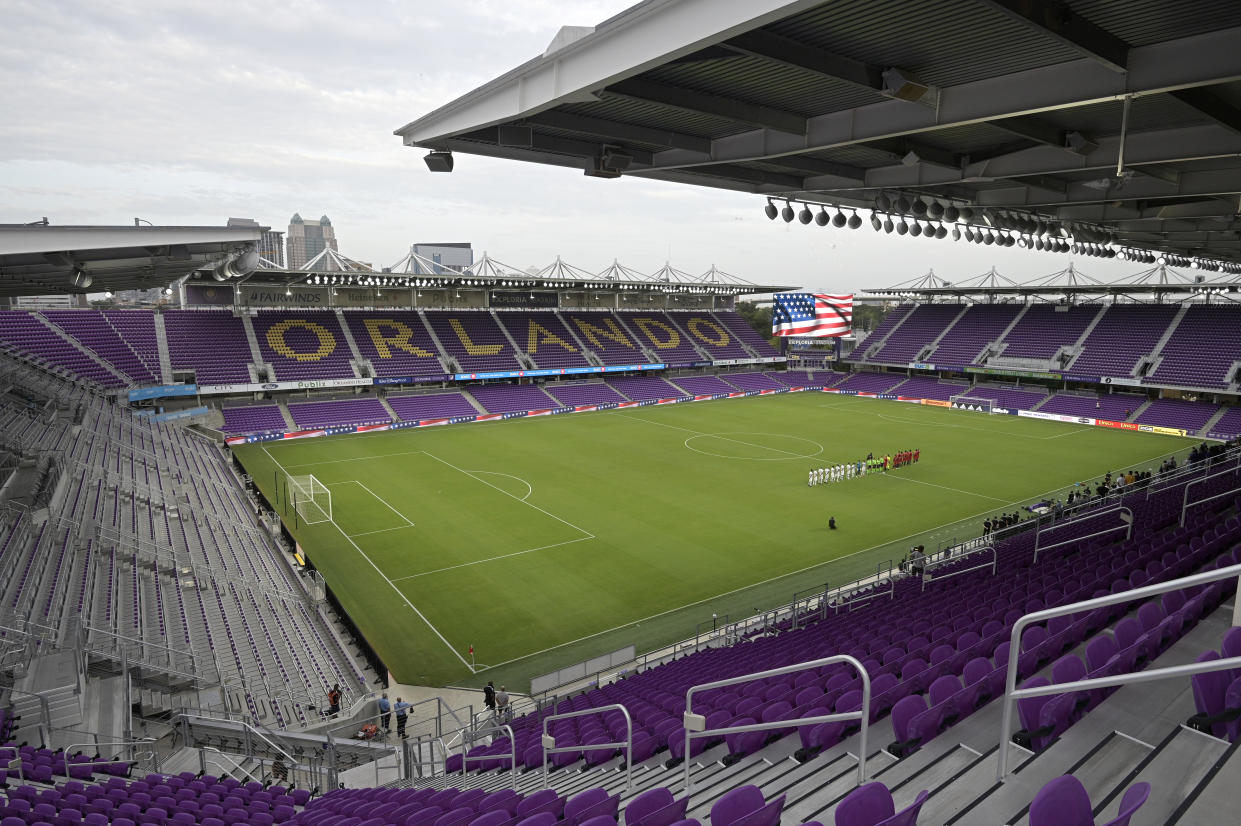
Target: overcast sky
column 192, row 112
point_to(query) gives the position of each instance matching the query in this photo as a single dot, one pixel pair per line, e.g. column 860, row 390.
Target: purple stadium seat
column 655, row 807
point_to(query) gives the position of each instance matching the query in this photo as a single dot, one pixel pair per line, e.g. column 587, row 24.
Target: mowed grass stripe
column 673, row 526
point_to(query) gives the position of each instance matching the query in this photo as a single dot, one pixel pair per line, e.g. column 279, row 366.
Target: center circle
column 756, row 447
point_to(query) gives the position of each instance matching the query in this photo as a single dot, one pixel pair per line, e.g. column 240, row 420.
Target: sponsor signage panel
column 180, row 414
column 1020, row 374
column 1033, row 414
column 1122, row 380
column 920, row 365
column 525, row 299
column 260, row 295
column 564, row 371
column 1078, row 377
column 267, row 386
column 163, row 391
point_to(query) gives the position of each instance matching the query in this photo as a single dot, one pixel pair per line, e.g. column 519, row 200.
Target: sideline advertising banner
column 163, row 391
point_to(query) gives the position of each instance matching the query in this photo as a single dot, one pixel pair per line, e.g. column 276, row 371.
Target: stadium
column 973, row 563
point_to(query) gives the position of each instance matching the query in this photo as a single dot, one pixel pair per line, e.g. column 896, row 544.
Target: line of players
column 871, row 464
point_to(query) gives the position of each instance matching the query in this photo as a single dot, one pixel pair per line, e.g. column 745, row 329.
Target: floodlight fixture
column 438, row 161
column 787, row 212
column 805, row 216
column 855, row 221
column 823, row 219
column 770, row 210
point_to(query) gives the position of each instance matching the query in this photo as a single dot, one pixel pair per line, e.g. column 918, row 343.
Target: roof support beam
column 701, row 103
column 814, row 166
column 506, row 136
column 752, row 176
column 786, row 52
column 610, row 130
column 1193, row 185
column 1032, row 128
column 1201, row 60
column 1211, row 105
column 913, row 153
column 1054, row 18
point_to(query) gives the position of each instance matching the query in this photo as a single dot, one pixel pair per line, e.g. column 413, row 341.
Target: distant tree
column 866, row 317
column 757, row 317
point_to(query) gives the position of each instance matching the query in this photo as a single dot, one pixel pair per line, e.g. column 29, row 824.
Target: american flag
column 806, row 314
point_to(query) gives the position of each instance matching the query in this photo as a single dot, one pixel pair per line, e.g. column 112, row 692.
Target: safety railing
column 224, row 762
column 1012, row 694
column 512, row 745
column 1186, row 504
column 696, row 724
column 928, row 569
column 862, row 591
column 1230, row 458
column 810, row 602
column 1126, row 519
column 248, row 733
column 152, row 756
column 550, row 747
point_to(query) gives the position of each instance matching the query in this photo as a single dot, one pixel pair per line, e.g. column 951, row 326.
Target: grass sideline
column 545, row 541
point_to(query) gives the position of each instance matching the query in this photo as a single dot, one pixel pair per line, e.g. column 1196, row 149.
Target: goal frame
column 974, row 403
column 309, row 498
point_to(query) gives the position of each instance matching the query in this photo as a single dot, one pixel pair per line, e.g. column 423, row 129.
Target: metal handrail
column 512, row 744
column 550, row 747
column 1012, row 693
column 293, row 763
column 931, row 566
column 1127, row 526
column 130, row 743
column 205, row 760
column 1186, row 504
column 696, row 724
column 1178, row 476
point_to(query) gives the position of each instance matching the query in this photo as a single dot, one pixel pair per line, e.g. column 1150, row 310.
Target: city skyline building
column 305, row 241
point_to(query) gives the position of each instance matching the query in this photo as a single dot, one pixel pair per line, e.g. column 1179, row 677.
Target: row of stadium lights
column 400, row 281
column 1005, row 230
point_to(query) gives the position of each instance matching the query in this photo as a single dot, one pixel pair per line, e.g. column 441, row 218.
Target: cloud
column 192, row 112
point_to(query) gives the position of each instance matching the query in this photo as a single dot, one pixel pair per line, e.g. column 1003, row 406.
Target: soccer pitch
column 545, row 541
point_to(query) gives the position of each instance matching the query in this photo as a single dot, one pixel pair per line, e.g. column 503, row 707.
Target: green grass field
column 545, row 541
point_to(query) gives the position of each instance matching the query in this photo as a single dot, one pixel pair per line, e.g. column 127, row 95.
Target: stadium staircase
column 475, row 403
column 86, row 351
column 1215, row 417
column 646, row 351
column 361, row 366
column 1147, row 364
column 161, row 340
column 256, row 354
column 869, row 348
column 995, row 349
column 1078, row 347
column 383, row 401
column 929, row 349
column 672, row 318
column 527, row 361
column 591, row 356
column 446, row 361
column 1137, row 414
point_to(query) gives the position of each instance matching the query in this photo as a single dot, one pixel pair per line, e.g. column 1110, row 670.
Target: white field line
column 945, row 487
column 529, row 487
column 385, row 502
column 384, row 530
column 577, row 528
column 494, row 558
column 384, row 576
column 727, row 439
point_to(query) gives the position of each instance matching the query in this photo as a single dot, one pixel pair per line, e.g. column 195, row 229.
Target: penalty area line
column 494, row 558
column 391, row 584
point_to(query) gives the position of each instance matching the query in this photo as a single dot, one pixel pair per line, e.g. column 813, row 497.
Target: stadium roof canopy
column 1111, row 126
column 333, row 269
column 37, row 259
column 1161, row 283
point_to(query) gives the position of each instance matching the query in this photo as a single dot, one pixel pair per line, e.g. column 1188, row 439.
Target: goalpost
column 965, row 402
column 310, row 498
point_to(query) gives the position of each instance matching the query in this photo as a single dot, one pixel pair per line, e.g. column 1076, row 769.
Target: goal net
column 310, row 498
column 964, row 402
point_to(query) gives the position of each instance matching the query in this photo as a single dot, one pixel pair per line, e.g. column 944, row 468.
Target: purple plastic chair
column 1062, row 802
column 588, row 805
column 736, row 804
column 544, row 800
column 872, row 805
column 655, row 807
column 1209, row 689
